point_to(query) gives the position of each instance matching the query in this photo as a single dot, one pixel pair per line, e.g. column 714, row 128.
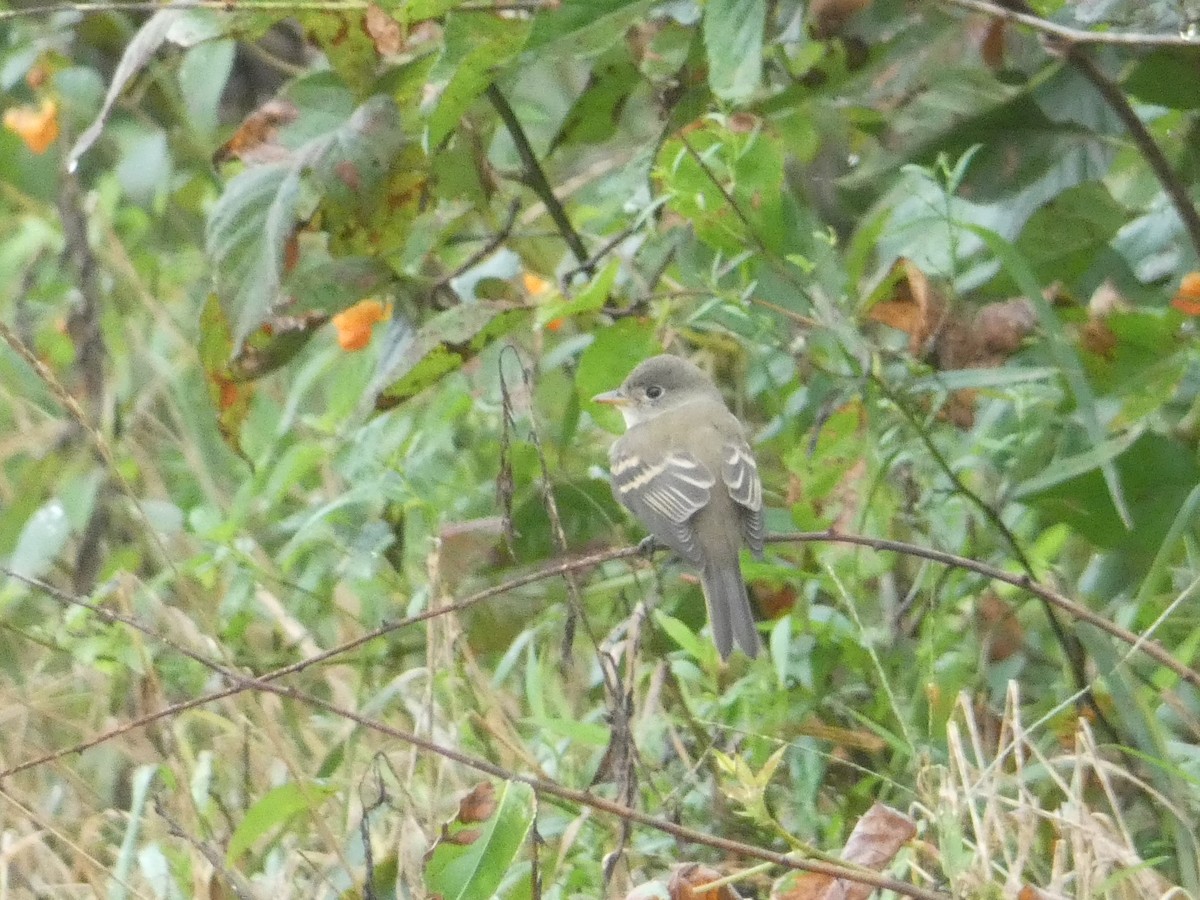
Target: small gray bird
column 684, row 468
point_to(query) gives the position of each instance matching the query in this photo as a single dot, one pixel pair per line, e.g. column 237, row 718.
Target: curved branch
column 1072, row 35
column 1150, row 647
column 1072, row 44
column 540, row 785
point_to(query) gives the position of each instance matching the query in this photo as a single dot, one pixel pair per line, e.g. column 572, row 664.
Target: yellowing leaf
column 36, row 126
column 354, row 325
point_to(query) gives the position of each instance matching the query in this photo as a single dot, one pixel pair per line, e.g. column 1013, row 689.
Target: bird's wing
column 740, row 474
column 665, row 494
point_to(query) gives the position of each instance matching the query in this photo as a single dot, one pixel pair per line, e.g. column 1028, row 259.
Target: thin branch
column 1072, row 44
column 1145, row 142
column 535, row 176
column 540, row 785
column 284, row 6
column 1074, row 36
column 1151, row 648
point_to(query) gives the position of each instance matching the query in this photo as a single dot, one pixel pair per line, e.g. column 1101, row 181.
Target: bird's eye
column 654, row 392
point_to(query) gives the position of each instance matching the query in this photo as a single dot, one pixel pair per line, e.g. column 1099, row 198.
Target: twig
column 534, row 174
column 1071, row 35
column 1152, row 648
column 540, row 785
column 284, row 6
column 1072, row 44
column 1145, row 142
column 1070, row 646
column 493, row 242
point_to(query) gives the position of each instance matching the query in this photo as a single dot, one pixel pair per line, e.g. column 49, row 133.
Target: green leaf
column 684, row 636
column 476, row 46
column 138, row 52
column 591, row 298
column 1061, row 240
column 275, row 808
column 42, row 539
column 203, row 74
column 1167, row 77
column 1071, row 467
column 733, row 36
column 608, row 359
column 596, row 113
column 118, row 887
column 413, row 361
column 589, row 734
column 1064, row 355
column 584, row 27
column 958, row 379
column 256, row 216
column 472, row 864
column 1158, row 474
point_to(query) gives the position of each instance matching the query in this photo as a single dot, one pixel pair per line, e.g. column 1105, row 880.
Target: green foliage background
column 183, row 442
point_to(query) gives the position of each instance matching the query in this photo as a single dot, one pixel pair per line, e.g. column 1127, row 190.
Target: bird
column 685, row 469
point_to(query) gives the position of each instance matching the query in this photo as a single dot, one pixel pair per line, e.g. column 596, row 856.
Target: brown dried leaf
column 255, row 140
column 875, row 841
column 950, row 339
column 828, row 18
column 383, row 30
column 689, row 876
column 479, row 805
column 992, row 45
column 463, row 838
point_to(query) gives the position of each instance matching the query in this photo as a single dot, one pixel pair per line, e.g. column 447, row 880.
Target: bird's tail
column 729, row 609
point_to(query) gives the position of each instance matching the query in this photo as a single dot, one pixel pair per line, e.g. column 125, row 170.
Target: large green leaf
column 414, row 360
column 475, row 48
column 472, row 858
column 1156, row 473
column 733, row 35
column 1167, row 78
column 584, row 27
column 256, row 216
column 275, row 808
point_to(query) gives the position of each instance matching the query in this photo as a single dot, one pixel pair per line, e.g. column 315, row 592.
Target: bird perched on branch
column 685, row 469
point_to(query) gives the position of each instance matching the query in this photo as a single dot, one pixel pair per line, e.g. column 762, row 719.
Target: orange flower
column 1187, row 298
column 354, row 324
column 38, row 128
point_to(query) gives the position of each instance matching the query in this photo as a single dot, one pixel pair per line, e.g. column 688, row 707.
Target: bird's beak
column 612, row 398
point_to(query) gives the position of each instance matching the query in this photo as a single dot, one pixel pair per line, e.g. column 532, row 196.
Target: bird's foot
column 648, row 545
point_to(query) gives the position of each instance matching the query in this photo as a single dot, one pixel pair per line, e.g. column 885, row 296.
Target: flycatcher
column 685, row 469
